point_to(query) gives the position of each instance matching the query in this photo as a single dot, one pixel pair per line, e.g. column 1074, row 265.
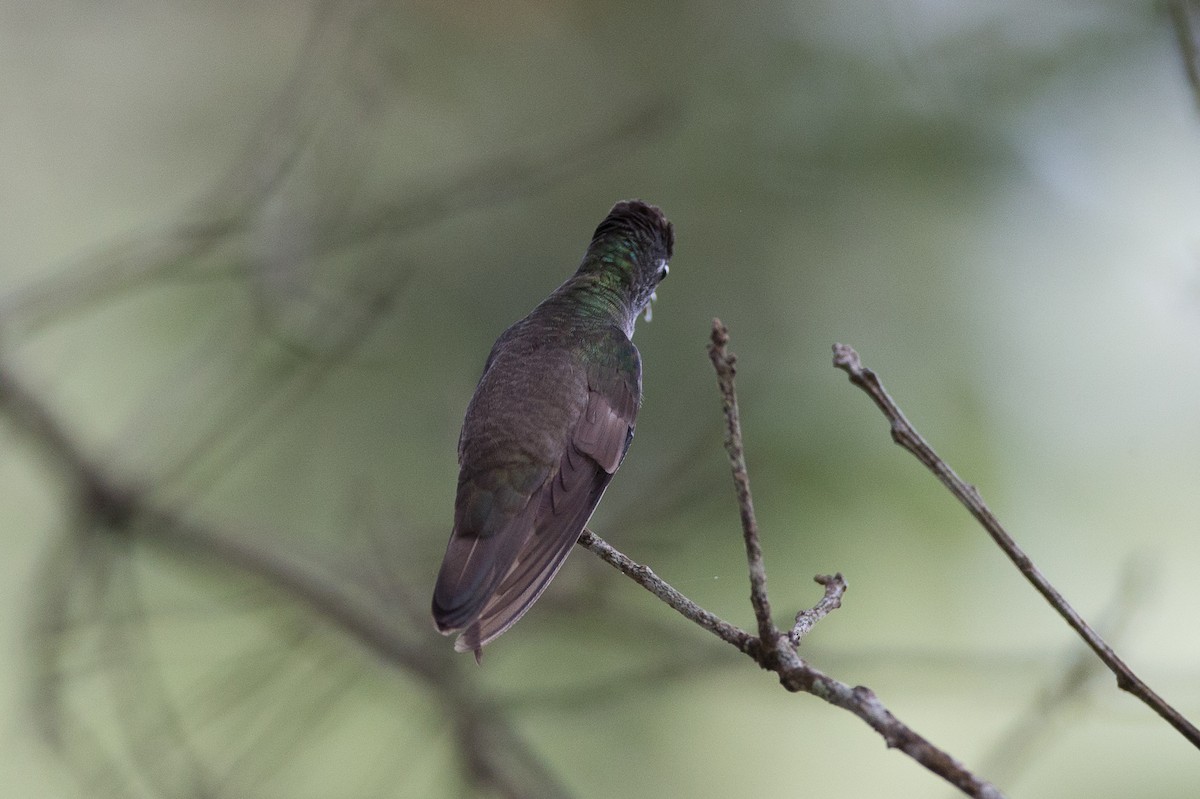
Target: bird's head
column 635, row 240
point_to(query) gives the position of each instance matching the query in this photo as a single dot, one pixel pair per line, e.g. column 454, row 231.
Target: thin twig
column 904, row 434
column 835, row 586
column 725, row 364
column 646, row 578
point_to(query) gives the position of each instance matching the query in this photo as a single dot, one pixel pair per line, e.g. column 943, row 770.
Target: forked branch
column 772, row 649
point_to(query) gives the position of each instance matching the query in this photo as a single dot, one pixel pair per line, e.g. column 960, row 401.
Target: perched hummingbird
column 550, row 422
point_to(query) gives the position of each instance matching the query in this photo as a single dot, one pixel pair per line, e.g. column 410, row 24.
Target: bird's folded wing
column 591, row 456
column 495, row 512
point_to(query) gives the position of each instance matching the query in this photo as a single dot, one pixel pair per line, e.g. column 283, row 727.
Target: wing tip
column 468, row 641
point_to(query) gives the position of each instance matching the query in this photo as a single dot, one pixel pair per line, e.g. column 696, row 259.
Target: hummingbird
column 550, row 421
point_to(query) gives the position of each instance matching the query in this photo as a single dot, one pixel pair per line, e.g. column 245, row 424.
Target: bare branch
column 773, row 650
column 797, row 676
column 725, row 364
column 904, row 434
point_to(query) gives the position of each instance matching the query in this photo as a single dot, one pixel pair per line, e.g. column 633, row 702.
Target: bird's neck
column 598, row 295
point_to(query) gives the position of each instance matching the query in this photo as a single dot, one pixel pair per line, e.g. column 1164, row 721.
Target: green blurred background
column 254, row 255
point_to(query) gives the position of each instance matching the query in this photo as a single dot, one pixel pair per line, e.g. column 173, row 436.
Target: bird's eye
column 663, row 269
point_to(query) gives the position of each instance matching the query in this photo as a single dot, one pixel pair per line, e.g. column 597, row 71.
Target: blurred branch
column 904, row 434
column 112, row 516
column 1070, row 684
column 772, row 649
column 1185, row 19
column 215, row 238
